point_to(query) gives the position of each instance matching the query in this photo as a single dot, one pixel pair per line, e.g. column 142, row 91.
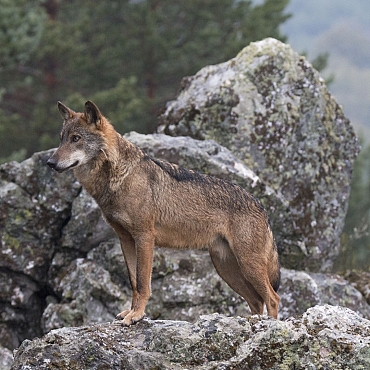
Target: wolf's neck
column 107, row 172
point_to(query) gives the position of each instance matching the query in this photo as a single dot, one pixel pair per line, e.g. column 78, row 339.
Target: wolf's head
column 81, row 139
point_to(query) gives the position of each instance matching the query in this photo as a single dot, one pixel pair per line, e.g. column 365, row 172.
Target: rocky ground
column 324, row 337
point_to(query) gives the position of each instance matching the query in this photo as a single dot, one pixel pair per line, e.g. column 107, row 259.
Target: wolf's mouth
column 60, row 170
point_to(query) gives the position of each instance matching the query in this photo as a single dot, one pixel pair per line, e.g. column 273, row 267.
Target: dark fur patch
column 178, row 173
column 276, row 284
column 220, row 192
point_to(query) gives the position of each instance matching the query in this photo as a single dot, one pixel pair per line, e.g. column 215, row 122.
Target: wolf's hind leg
column 228, row 268
column 255, row 271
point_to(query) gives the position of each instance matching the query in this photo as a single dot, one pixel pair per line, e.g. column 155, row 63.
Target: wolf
column 152, row 202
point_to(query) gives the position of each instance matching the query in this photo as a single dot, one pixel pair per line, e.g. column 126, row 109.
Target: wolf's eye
column 76, row 138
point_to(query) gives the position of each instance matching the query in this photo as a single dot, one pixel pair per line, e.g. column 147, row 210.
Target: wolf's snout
column 52, row 163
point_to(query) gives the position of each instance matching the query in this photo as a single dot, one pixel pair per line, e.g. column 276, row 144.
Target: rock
column 301, row 290
column 88, row 295
column 86, row 227
column 324, row 337
column 34, row 206
column 6, row 358
column 361, row 281
column 274, row 112
column 21, row 308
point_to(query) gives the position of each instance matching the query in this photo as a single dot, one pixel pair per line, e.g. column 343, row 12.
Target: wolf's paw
column 130, row 317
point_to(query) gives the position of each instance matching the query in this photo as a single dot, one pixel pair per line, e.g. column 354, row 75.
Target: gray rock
column 21, row 307
column 301, row 290
column 60, row 268
column 86, row 227
column 88, row 295
column 192, row 287
column 274, row 112
column 34, row 205
column 324, row 337
column 361, row 281
column 6, row 358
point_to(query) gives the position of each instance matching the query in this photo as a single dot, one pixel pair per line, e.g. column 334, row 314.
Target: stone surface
column 324, row 337
column 361, row 281
column 274, row 112
column 6, row 358
column 301, row 290
column 34, row 206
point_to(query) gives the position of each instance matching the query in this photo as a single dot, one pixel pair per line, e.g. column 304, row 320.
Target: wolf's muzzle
column 52, row 163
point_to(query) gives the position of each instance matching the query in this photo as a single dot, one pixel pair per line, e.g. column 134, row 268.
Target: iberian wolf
column 151, row 202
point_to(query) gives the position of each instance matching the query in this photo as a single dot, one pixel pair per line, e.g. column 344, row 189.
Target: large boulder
column 273, row 111
column 34, row 206
column 324, row 337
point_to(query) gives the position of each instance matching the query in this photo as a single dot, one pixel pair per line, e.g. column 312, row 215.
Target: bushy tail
column 274, row 268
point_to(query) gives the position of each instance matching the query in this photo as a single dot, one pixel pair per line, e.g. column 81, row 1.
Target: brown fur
column 151, row 202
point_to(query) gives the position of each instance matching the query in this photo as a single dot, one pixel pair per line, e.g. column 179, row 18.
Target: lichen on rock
column 324, row 337
column 273, row 111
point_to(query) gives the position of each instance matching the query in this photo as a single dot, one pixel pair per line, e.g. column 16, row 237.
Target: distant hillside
column 342, row 28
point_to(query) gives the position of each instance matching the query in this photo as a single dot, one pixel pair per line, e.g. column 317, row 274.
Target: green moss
column 23, row 216
column 10, row 241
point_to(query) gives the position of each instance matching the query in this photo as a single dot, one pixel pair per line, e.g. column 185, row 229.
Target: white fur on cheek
column 77, row 156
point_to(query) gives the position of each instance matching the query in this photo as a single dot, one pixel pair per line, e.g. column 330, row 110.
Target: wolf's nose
column 51, row 163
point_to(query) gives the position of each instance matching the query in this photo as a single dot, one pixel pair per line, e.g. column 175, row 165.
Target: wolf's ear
column 65, row 112
column 93, row 115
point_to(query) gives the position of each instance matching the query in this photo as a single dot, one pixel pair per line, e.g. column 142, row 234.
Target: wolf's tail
column 274, row 268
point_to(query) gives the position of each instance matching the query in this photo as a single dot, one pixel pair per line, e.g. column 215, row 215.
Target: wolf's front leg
column 129, row 252
column 140, row 277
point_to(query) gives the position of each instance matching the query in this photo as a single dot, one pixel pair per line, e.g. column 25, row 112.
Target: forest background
column 129, row 56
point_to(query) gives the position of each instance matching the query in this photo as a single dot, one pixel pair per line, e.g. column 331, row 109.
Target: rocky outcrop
column 84, row 277
column 323, row 337
column 61, row 265
column 34, row 206
column 272, row 110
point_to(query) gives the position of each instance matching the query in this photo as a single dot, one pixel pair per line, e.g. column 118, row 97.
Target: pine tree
column 355, row 241
column 129, row 56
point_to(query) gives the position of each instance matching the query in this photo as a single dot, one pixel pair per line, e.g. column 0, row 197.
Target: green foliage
column 320, row 63
column 9, row 133
column 355, row 241
column 127, row 56
column 21, row 25
column 127, row 108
